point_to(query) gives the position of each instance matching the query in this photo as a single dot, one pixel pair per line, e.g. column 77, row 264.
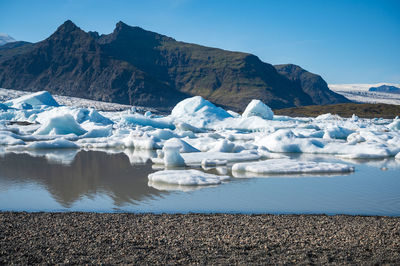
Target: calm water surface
column 116, row 181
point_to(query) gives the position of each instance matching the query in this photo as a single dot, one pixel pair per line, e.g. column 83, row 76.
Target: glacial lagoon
column 198, row 158
column 117, row 181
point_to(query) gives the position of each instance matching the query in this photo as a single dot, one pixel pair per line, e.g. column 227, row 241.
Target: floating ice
column 138, row 119
column 3, row 107
column 61, row 125
column 258, row 108
column 287, row 166
column 51, row 144
column 284, row 140
column 172, row 157
column 198, row 112
column 337, row 132
column 9, row 138
column 183, row 145
column 186, row 178
column 202, row 132
column 163, row 134
column 196, row 158
column 223, row 145
column 34, row 99
column 395, row 125
column 213, row 163
column 91, row 115
column 328, row 116
column 98, row 132
column 186, row 127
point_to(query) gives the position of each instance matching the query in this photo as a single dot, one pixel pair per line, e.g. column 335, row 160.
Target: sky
column 344, row 41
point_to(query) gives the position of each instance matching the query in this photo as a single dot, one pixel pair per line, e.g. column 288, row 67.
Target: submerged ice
column 198, row 133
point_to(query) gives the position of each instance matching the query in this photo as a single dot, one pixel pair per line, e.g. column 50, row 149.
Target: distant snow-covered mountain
column 5, row 38
column 361, row 93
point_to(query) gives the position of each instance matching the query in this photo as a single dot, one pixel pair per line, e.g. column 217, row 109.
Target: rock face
column 313, row 85
column 135, row 66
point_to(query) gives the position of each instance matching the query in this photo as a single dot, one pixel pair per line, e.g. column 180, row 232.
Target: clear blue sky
column 344, row 41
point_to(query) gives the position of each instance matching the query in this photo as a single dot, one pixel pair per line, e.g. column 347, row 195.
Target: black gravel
column 93, row 238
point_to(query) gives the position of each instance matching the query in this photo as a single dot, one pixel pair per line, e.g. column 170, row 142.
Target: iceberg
column 9, row 138
column 141, row 120
column 34, row 99
column 98, row 132
column 51, row 144
column 186, row 178
column 183, row 145
column 172, row 157
column 196, row 158
column 60, row 125
column 258, row 108
column 288, row 166
column 198, row 112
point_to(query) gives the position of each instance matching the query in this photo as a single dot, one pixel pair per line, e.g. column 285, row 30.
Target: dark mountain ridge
column 139, row 67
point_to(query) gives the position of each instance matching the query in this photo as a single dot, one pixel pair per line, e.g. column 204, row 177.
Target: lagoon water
column 116, row 181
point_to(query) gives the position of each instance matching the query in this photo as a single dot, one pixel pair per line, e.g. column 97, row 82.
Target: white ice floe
column 258, row 108
column 34, row 99
column 186, row 178
column 198, row 112
column 171, row 156
column 196, row 158
column 183, row 145
column 395, row 125
column 213, row 163
column 51, row 144
column 60, row 125
column 288, row 166
column 9, row 138
column 141, row 120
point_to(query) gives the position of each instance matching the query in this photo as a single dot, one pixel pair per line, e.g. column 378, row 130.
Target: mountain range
column 5, row 38
column 139, row 67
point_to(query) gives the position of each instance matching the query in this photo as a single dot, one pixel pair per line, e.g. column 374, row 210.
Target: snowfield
column 196, row 134
column 359, row 93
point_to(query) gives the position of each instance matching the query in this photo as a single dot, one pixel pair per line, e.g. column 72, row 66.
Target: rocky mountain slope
column 135, row 66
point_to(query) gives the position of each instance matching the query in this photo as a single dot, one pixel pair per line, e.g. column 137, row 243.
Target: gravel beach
column 114, row 238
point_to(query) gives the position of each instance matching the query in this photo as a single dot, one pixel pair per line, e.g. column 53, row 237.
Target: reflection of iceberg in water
column 61, row 156
column 134, row 156
column 384, row 164
column 298, row 175
column 88, row 174
column 171, row 187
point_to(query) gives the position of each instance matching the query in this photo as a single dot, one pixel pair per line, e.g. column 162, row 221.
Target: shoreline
column 111, row 238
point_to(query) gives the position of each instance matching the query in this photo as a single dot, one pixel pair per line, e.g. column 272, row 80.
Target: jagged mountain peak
column 67, row 26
